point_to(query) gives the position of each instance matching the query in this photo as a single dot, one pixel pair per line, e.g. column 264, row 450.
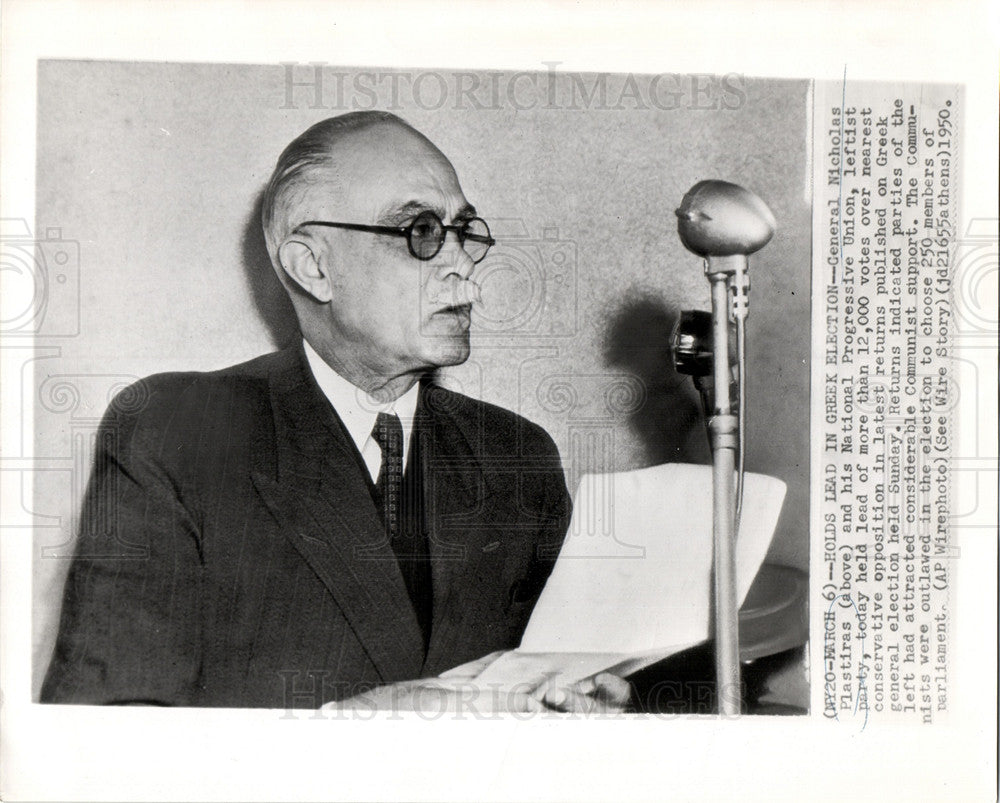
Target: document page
column 633, row 582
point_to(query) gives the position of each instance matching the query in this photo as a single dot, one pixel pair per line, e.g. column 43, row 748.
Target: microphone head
column 717, row 218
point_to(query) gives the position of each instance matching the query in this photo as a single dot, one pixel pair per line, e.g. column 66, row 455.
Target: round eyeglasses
column 426, row 233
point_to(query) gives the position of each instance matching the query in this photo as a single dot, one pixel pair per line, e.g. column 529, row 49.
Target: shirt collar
column 357, row 410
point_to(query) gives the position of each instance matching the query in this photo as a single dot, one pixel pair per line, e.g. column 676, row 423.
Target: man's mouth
column 461, row 312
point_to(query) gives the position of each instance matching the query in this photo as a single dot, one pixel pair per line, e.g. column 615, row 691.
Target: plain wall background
column 152, row 172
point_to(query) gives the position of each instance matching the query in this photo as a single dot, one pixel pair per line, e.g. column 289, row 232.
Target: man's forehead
column 387, row 166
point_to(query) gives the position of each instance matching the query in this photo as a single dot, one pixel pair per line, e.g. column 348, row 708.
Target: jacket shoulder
column 179, row 391
column 495, row 428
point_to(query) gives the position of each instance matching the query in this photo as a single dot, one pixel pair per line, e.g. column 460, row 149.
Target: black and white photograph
column 341, row 446
column 365, row 405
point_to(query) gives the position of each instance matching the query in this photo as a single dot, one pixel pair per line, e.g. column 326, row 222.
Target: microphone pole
column 724, row 223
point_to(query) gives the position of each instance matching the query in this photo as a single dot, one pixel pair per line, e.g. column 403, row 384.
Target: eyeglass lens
column 427, row 234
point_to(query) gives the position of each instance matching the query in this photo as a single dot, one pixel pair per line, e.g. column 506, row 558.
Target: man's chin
column 446, row 351
column 456, row 357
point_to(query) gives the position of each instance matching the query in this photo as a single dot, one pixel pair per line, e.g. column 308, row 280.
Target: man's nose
column 453, row 258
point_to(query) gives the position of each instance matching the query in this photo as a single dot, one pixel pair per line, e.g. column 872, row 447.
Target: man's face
column 389, row 311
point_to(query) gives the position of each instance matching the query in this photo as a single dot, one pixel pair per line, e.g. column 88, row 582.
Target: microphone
column 722, row 223
column 691, row 347
column 717, row 219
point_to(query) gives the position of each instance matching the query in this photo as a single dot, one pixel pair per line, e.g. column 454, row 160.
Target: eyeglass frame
column 407, row 232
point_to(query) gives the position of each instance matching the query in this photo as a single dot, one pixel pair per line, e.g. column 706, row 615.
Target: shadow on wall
column 669, row 425
column 269, row 295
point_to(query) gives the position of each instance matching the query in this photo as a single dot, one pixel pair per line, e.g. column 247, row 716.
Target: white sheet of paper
column 530, row 670
column 633, row 581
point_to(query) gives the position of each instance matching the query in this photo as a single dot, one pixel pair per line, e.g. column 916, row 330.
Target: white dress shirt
column 359, row 411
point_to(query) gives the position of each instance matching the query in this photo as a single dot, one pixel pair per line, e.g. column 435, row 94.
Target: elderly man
column 322, row 525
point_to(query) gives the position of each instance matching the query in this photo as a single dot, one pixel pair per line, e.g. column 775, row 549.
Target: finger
column 520, row 702
column 459, row 694
column 606, row 687
column 472, row 668
column 611, row 689
column 585, row 686
column 520, row 698
column 568, row 701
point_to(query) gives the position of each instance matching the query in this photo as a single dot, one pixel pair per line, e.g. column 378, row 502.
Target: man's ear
column 301, row 263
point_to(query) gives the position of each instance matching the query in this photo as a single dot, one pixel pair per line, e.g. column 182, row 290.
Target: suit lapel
column 313, row 486
column 456, row 490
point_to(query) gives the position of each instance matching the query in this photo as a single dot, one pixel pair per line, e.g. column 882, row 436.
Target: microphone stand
column 723, row 223
column 723, row 428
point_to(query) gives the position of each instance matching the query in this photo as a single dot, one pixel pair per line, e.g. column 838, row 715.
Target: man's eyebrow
column 399, row 212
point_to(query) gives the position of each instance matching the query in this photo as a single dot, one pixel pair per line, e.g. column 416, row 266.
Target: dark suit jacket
column 230, row 553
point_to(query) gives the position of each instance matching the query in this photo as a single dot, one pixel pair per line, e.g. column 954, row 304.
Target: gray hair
column 312, row 149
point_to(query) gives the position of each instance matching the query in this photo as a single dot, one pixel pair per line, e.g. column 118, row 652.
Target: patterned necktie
column 400, row 500
column 388, row 434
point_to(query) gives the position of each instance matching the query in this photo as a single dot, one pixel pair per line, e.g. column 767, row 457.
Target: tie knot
column 388, row 434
